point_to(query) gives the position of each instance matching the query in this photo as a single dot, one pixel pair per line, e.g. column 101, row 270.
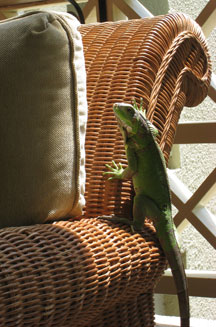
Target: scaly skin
column 146, row 167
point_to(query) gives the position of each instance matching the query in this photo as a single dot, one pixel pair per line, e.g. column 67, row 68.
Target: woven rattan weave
column 163, row 60
column 88, row 272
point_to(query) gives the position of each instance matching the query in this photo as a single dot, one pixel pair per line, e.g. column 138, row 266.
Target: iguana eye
column 130, row 111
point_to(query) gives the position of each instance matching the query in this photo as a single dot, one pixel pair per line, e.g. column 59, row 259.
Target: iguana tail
column 173, row 256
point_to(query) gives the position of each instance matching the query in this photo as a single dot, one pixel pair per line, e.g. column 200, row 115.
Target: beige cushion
column 43, row 113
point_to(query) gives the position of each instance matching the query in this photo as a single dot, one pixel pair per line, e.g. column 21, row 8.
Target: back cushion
column 43, row 114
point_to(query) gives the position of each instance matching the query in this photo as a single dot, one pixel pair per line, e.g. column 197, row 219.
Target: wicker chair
column 89, row 272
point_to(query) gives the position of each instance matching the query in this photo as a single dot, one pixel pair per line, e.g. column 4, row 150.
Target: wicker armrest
column 88, row 272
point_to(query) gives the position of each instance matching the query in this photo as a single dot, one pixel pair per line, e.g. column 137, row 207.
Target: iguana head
column 127, row 117
column 132, row 120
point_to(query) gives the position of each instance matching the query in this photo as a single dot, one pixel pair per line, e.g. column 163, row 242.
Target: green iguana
column 146, row 167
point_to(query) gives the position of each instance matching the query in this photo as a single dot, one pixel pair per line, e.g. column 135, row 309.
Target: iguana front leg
column 118, row 172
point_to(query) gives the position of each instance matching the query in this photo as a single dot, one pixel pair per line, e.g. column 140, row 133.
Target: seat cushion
column 43, row 113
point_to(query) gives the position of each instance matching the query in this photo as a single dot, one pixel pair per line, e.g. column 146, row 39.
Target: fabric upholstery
column 43, row 113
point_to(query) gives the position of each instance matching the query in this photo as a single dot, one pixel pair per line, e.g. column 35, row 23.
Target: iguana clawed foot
column 116, row 171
